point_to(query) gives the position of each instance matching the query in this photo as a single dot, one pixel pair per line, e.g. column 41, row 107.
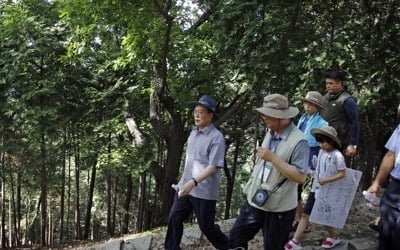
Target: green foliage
column 72, row 70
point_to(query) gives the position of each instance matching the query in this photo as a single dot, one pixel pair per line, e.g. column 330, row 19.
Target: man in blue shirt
column 389, row 224
column 341, row 112
column 198, row 187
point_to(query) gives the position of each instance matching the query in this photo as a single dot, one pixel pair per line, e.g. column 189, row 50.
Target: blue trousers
column 205, row 213
column 389, row 224
column 275, row 227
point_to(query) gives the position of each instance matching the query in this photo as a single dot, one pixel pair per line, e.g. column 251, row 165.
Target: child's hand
column 322, row 181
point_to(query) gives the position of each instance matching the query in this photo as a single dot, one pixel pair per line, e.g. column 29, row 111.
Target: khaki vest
column 285, row 198
column 334, row 114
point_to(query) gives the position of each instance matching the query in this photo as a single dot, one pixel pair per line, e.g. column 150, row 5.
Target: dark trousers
column 389, row 224
column 205, row 213
column 275, row 227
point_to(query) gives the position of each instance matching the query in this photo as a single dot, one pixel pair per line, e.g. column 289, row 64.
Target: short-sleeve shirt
column 393, row 144
column 328, row 164
column 204, row 147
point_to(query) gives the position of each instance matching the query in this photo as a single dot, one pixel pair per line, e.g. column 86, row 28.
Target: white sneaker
column 330, row 242
column 291, row 245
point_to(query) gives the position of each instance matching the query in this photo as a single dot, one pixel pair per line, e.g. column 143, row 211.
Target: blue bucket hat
column 206, row 101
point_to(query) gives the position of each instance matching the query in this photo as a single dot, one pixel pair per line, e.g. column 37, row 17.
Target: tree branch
column 203, row 18
column 233, row 107
column 155, row 119
column 138, row 138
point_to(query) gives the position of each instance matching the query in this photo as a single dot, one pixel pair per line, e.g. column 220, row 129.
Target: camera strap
column 262, row 174
column 277, row 186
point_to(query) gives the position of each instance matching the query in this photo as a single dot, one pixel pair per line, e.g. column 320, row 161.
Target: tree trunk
column 34, row 232
column 148, row 208
column 95, row 227
column 230, row 177
column 2, row 204
column 62, row 198
column 18, row 208
column 372, row 158
column 128, row 197
column 50, row 229
column 69, row 195
column 110, row 193
column 13, row 213
column 141, row 202
column 10, row 231
column 27, row 221
column 172, row 132
column 109, row 230
column 78, row 235
column 164, row 192
column 44, row 187
column 90, row 201
column 114, row 206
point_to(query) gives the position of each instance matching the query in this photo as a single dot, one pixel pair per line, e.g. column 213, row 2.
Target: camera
column 260, row 197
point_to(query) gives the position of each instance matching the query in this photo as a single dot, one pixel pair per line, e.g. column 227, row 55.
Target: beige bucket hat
column 277, row 106
column 327, row 131
column 315, row 98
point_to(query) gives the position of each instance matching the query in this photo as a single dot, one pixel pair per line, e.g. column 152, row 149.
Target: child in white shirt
column 331, row 167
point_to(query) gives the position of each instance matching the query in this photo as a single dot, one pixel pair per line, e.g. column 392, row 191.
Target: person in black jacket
column 341, row 112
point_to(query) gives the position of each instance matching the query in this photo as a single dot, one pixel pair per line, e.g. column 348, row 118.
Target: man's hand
column 265, row 154
column 185, row 190
column 374, row 188
column 351, row 150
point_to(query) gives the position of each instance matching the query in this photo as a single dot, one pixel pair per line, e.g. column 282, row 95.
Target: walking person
column 313, row 103
column 389, row 222
column 341, row 112
column 331, row 167
column 198, row 187
column 271, row 192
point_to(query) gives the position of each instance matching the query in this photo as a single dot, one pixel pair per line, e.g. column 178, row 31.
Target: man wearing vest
column 281, row 164
column 341, row 113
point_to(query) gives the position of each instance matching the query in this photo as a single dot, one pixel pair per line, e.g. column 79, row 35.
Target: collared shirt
column 273, row 143
column 393, row 144
column 204, row 147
